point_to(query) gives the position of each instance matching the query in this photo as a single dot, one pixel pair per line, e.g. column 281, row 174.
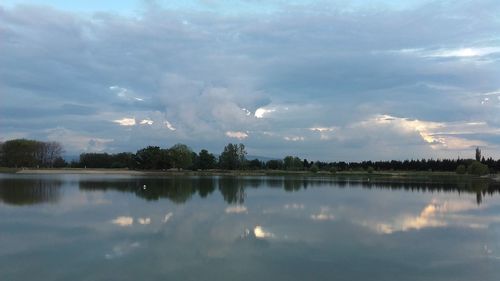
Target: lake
column 95, row 227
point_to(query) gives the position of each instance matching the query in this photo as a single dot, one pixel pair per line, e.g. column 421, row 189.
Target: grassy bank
column 217, row 172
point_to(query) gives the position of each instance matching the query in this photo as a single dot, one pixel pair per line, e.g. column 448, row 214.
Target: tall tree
column 478, row 154
column 233, row 157
column 181, row 156
column 293, row 163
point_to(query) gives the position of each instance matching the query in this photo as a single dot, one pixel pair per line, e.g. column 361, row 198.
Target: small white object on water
column 144, row 187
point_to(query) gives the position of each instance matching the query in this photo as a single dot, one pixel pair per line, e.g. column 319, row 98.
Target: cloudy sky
column 332, row 80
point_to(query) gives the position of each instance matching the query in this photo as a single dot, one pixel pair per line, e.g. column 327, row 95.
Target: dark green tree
column 255, row 164
column 206, row 160
column 149, row 158
column 274, row 164
column 181, row 156
column 461, row 169
column 292, row 163
column 478, row 154
column 29, row 153
column 477, row 168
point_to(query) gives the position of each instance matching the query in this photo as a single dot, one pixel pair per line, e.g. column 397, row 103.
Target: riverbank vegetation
column 35, row 154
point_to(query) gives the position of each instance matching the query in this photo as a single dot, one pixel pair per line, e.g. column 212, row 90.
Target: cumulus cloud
column 236, row 209
column 122, row 82
column 123, row 221
column 147, row 122
column 436, row 214
column 261, row 233
column 237, row 135
column 144, row 221
column 126, row 121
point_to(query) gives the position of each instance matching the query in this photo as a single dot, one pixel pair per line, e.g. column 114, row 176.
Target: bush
column 333, row 170
column 478, row 169
column 461, row 170
column 369, row 170
column 314, row 168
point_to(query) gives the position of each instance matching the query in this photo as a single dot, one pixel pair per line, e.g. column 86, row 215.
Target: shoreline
column 105, row 171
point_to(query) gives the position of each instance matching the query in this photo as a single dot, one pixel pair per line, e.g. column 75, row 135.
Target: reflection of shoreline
column 29, row 191
column 179, row 189
column 81, row 171
column 233, row 189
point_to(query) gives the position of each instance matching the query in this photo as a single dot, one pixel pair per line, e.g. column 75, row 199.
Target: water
column 84, row 227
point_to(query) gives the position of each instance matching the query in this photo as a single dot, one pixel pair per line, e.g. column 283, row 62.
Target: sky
column 322, row 80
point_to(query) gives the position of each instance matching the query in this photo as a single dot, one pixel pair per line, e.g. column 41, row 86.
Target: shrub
column 478, row 169
column 461, row 169
column 314, row 168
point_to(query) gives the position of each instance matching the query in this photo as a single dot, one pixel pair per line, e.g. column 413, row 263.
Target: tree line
column 31, row 153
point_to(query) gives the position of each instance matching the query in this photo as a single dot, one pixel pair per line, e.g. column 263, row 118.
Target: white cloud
column 167, row 217
column 124, row 93
column 434, row 214
column 324, row 132
column 236, row 209
column 464, row 52
column 259, row 232
column 147, row 122
column 237, row 135
column 125, row 121
column 438, row 135
column 169, row 126
column 262, row 112
column 322, row 129
column 123, row 221
column 294, row 138
column 76, row 141
column 323, row 215
column 452, row 52
column 294, row 206
column 144, row 221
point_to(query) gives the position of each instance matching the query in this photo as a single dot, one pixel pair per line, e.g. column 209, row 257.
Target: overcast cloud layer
column 321, row 81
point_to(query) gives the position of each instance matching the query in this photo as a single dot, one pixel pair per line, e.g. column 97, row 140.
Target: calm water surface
column 83, row 227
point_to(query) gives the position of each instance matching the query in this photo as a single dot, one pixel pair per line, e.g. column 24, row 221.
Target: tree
column 255, row 164
column 206, row 160
column 49, row 152
column 292, row 163
column 274, row 164
column 181, row 156
column 122, row 160
column 478, row 154
column 59, row 162
column 478, row 169
column 461, row 169
column 314, row 168
column 233, row 157
column 150, row 158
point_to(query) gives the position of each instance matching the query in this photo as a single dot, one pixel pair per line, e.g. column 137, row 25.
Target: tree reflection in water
column 232, row 189
column 28, row 191
column 22, row 191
